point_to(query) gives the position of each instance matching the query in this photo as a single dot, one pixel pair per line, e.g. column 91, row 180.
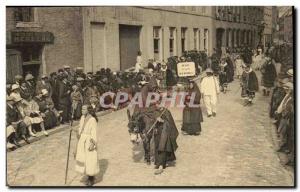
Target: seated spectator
column 46, row 109
column 33, row 116
column 15, row 91
column 16, row 128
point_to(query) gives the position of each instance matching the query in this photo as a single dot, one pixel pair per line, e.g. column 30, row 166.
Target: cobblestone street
column 235, row 148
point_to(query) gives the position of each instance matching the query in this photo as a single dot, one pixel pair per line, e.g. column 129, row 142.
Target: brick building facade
column 96, row 37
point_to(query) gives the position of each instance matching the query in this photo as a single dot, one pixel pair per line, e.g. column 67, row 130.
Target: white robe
column 87, row 161
column 139, row 64
column 239, row 63
column 210, row 86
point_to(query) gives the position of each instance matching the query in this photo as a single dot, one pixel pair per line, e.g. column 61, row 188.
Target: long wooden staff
column 70, row 136
column 156, row 121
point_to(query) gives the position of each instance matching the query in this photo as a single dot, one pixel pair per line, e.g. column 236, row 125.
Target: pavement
column 235, row 148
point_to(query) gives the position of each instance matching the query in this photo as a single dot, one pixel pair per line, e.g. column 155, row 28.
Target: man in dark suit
column 64, row 101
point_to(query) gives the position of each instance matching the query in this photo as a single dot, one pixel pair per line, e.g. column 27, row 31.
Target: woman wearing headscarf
column 87, row 161
column 192, row 114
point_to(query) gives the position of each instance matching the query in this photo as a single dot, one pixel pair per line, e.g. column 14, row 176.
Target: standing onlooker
column 30, row 86
column 268, row 76
column 43, row 84
column 139, row 62
column 64, row 101
column 53, row 83
column 77, row 100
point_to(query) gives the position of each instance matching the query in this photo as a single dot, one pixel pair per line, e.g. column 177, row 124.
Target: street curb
column 55, row 130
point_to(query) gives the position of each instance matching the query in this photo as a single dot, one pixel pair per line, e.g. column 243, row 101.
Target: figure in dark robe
column 249, row 85
column 192, row 115
column 165, row 135
column 269, row 75
column 230, row 72
column 224, row 72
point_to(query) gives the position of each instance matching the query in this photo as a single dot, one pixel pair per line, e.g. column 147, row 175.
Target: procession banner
column 186, row 69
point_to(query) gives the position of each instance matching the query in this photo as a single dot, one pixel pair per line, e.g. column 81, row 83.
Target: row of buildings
column 43, row 39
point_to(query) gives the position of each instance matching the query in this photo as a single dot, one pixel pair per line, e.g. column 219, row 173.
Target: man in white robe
column 210, row 89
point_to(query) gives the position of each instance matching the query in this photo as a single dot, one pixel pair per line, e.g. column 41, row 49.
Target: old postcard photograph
column 150, row 96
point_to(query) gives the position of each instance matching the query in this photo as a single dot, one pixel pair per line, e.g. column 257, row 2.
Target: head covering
column 28, row 77
column 74, row 87
column 288, row 85
column 290, row 72
column 80, row 79
column 44, row 76
column 143, row 82
column 44, row 91
column 17, row 98
column 18, row 77
column 114, row 73
column 209, row 70
column 9, row 98
column 66, row 67
column 79, row 69
column 283, row 80
column 15, row 86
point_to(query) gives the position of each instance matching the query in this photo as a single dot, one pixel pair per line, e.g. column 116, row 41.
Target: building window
column 205, row 39
column 24, row 14
column 183, row 41
column 156, row 42
column 196, row 38
column 203, row 10
column 172, row 41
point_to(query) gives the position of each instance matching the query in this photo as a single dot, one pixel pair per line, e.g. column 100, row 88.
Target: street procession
column 188, row 98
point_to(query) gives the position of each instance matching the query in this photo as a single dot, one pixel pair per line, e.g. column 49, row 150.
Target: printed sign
column 186, row 69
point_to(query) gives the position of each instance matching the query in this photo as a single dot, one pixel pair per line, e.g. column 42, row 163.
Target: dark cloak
column 192, row 116
column 250, row 82
column 268, row 75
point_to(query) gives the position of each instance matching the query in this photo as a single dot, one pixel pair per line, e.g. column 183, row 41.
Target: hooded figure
column 192, row 115
column 165, row 135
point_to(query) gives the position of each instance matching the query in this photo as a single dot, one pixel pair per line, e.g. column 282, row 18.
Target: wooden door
column 13, row 65
column 129, row 45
